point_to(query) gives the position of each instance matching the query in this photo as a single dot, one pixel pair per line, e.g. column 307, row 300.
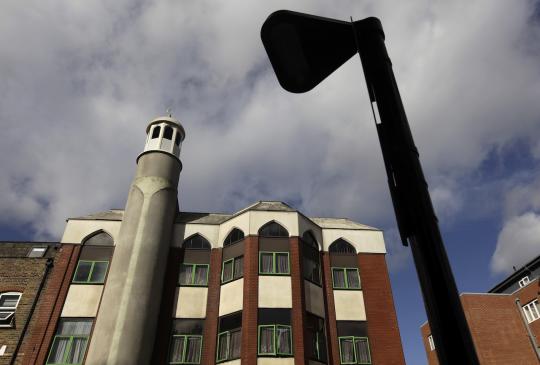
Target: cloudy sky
column 79, row 81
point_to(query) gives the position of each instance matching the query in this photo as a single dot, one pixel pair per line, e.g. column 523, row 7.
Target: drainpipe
column 531, row 336
column 48, row 267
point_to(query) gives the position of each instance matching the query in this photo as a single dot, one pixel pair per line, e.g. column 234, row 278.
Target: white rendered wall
column 190, row 302
column 349, row 305
column 231, row 297
column 77, row 230
column 82, row 301
column 369, row 241
column 275, row 360
column 275, row 292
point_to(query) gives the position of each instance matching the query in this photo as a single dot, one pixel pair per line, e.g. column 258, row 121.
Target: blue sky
column 79, row 81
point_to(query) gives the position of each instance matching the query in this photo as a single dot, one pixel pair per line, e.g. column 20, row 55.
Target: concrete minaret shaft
column 126, row 323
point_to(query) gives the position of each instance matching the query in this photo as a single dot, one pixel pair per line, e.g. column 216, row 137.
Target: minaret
column 127, row 320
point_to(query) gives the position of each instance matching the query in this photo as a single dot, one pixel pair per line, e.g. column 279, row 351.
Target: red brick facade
column 383, row 331
column 212, row 309
column 250, row 301
column 331, row 327
column 298, row 301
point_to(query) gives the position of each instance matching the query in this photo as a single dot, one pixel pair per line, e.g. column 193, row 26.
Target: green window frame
column 185, row 348
column 192, row 281
column 227, row 337
column 275, row 268
column 275, row 338
column 354, row 340
column 235, row 275
column 67, row 349
column 346, row 283
column 90, row 279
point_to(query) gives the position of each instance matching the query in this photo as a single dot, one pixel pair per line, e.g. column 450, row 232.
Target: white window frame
column 531, row 311
column 41, row 250
column 431, row 343
column 10, row 311
column 524, row 281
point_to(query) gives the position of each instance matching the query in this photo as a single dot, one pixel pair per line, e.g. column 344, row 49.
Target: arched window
column 341, row 246
column 8, row 304
column 155, row 132
column 168, row 132
column 99, row 238
column 235, row 236
column 197, row 242
column 273, row 229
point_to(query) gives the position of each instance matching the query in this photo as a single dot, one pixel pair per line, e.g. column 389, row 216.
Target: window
column 345, row 278
column 8, row 304
column 229, row 337
column 91, row 272
column 531, row 311
column 37, row 252
column 275, row 340
column 354, row 350
column 524, row 281
column 177, row 139
column 70, row 341
column 185, row 349
column 167, row 133
column 235, row 236
column 274, row 263
column 99, row 238
column 186, row 341
column 273, row 229
column 194, row 274
column 341, row 246
column 431, row 343
column 197, row 242
column 232, row 269
column 155, row 132
column 311, row 263
column 315, row 338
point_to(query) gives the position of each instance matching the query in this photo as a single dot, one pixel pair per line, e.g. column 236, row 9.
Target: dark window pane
column 185, row 274
column 155, row 132
column 282, row 263
column 227, row 271
column 177, row 139
column 201, row 275
column 347, row 350
column 341, row 246
column 273, row 229
column 267, row 263
column 353, row 281
column 58, row 350
column 223, row 346
column 266, row 340
column 362, row 351
column 83, row 271
column 177, row 349
column 193, row 350
column 283, row 339
column 99, row 239
column 9, row 300
column 338, row 276
column 235, row 342
column 168, row 132
column 197, row 242
column 239, row 267
column 235, row 236
column 76, row 351
column 308, row 239
column 98, row 272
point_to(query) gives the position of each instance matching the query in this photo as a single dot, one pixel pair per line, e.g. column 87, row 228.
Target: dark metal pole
column 416, row 218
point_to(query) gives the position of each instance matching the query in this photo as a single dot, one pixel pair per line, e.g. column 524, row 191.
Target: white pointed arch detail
column 276, row 222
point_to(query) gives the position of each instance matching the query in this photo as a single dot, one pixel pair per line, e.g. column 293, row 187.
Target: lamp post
column 304, row 50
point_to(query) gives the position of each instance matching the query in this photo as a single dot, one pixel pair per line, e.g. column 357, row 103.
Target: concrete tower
column 126, row 323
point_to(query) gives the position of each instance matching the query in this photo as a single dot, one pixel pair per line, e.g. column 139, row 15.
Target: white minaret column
column 126, row 324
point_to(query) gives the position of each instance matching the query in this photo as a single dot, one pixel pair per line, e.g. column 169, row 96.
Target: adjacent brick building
column 151, row 284
column 504, row 322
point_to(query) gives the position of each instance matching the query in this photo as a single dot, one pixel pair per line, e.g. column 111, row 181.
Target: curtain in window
column 283, row 340
column 227, row 271
column 282, row 264
column 347, row 350
column 235, row 344
column 177, row 349
column 266, row 340
column 222, row 349
column 98, row 274
column 267, row 263
column 185, row 274
column 76, row 351
column 339, row 278
column 58, row 349
column 352, row 278
column 362, row 350
column 201, row 273
column 74, row 327
column 83, row 270
column 193, row 350
column 238, row 267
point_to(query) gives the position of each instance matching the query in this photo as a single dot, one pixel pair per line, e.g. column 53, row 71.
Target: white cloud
column 79, row 82
column 518, row 243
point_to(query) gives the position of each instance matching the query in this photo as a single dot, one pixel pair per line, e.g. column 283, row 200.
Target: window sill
column 274, row 274
column 353, row 289
column 192, row 286
column 86, row 283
